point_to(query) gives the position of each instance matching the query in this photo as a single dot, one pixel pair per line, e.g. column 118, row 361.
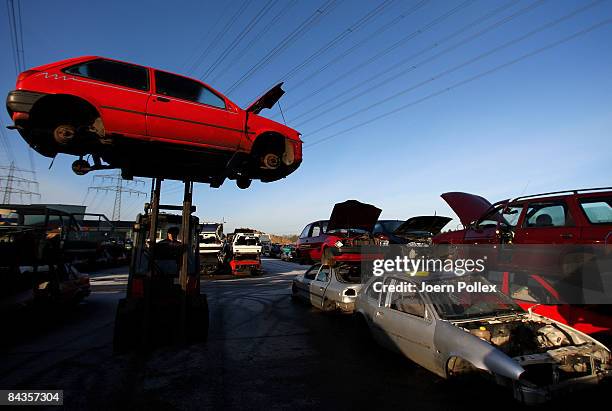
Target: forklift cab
column 163, row 302
column 164, row 264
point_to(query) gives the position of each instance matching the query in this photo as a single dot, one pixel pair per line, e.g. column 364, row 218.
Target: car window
column 371, row 292
column 597, row 210
column 114, row 72
column 383, row 293
column 186, row 89
column 316, row 230
column 312, row 272
column 407, row 302
column 305, row 231
column 324, row 226
column 324, row 274
column 511, row 215
column 547, row 215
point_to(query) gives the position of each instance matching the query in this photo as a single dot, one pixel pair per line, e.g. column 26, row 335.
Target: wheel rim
column 64, row 133
column 271, row 161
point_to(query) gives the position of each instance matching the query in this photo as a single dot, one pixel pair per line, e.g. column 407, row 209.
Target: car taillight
column 297, row 150
column 22, row 76
column 137, row 288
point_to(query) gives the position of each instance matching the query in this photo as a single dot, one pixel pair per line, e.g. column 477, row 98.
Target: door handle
column 567, row 235
column 321, row 288
column 163, row 99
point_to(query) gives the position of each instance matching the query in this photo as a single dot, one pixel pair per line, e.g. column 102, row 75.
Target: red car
column 542, row 296
column 564, row 222
column 149, row 123
column 341, row 237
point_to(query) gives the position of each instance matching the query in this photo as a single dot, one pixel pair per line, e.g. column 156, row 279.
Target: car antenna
column 281, row 111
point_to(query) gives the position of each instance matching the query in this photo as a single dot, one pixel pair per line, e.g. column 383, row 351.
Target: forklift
column 163, row 303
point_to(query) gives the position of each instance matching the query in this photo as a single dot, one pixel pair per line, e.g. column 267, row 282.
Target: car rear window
column 597, row 210
column 186, row 89
column 113, row 72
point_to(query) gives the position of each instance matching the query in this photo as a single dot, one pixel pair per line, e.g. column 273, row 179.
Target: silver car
column 453, row 332
column 329, row 288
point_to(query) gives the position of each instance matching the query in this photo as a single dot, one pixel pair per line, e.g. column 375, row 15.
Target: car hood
column 430, row 223
column 353, row 214
column 468, row 207
column 267, row 100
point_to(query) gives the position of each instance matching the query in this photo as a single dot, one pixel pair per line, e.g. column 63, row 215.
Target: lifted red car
column 149, row 123
column 341, row 237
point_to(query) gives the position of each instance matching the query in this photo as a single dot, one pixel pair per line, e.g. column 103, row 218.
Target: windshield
column 464, row 304
column 391, row 225
column 505, row 216
column 348, row 231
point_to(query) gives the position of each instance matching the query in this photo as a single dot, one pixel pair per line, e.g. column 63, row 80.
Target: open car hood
column 430, row 223
column 268, row 100
column 353, row 214
column 468, row 207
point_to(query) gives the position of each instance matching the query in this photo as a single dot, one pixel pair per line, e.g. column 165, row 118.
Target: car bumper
column 538, row 395
column 20, row 101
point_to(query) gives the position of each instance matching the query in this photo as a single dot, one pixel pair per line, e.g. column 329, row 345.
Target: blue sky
column 542, row 124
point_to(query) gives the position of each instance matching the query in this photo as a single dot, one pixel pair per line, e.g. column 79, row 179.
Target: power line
column 467, row 80
column 362, row 22
column 217, row 38
column 243, row 51
column 245, row 31
column 463, row 64
column 394, row 46
column 393, row 66
column 116, row 186
column 13, row 185
column 413, row 67
column 304, row 27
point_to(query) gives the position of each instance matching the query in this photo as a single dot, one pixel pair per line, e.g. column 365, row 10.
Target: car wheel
column 328, row 305
column 64, row 134
column 270, row 161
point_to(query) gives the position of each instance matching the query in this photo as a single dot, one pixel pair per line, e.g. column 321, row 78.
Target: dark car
column 180, row 127
column 275, row 251
column 414, row 230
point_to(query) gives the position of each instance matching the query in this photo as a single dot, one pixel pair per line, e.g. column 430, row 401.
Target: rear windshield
column 349, row 273
column 247, row 241
column 597, row 210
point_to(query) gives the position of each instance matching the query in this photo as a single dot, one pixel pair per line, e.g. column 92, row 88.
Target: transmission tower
column 14, row 183
column 114, row 183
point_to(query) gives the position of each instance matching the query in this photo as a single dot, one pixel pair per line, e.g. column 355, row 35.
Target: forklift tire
column 197, row 319
column 126, row 332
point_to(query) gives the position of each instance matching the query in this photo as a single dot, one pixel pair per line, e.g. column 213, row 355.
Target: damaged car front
column 458, row 331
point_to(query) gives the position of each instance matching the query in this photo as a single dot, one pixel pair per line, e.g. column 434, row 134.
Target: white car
column 329, row 288
column 454, row 332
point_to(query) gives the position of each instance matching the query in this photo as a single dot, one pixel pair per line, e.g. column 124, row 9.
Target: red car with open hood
column 341, row 237
column 149, row 123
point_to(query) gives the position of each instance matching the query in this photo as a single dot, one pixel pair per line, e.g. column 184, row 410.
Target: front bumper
column 20, row 101
column 537, row 395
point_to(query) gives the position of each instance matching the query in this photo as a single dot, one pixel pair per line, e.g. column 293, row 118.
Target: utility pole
column 114, row 183
column 15, row 185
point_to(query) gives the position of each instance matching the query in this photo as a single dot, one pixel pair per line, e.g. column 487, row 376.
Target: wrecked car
column 341, row 237
column 415, row 230
column 460, row 333
column 179, row 127
column 242, row 253
column 329, row 288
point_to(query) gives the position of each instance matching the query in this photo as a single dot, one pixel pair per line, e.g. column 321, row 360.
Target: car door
column 546, row 227
column 186, row 110
column 302, row 242
column 120, row 90
column 316, row 239
column 304, row 282
column 319, row 286
column 410, row 326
